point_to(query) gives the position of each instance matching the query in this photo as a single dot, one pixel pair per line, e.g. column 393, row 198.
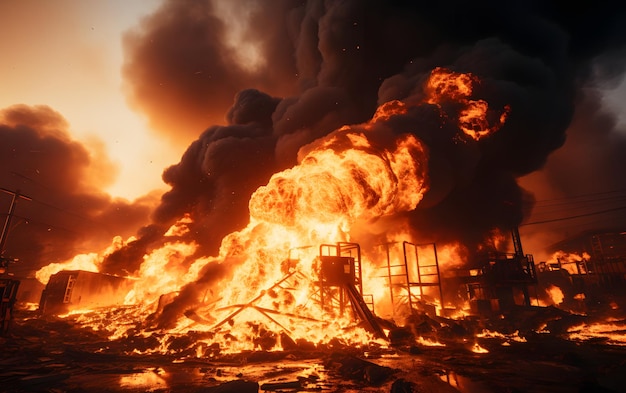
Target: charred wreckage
column 497, row 301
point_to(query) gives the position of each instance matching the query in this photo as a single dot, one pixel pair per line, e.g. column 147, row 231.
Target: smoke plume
column 321, row 65
column 249, row 86
column 315, row 67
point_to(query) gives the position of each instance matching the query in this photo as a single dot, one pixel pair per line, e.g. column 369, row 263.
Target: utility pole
column 5, row 230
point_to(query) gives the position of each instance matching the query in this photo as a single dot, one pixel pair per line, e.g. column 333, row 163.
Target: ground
column 469, row 356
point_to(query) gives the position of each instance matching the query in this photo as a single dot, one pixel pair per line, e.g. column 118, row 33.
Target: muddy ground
column 529, row 351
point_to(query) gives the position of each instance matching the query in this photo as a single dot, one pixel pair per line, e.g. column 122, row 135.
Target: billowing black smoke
column 333, row 63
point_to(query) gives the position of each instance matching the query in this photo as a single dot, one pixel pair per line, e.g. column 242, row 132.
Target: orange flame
column 476, row 119
column 343, row 181
column 87, row 262
column 556, row 294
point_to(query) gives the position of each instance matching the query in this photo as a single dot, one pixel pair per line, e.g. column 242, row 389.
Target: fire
column 477, row 348
column 556, row 294
column 149, row 379
column 486, row 333
column 572, row 262
column 389, row 109
column 342, row 180
column 427, row 342
column 88, row 262
column 475, row 119
column 445, row 84
column 153, row 281
column 264, row 282
column 612, row 331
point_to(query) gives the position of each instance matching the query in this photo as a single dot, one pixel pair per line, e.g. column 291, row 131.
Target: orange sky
column 67, row 54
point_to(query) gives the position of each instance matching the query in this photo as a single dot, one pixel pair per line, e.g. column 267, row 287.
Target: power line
column 62, row 210
column 577, row 206
column 582, row 195
column 575, row 216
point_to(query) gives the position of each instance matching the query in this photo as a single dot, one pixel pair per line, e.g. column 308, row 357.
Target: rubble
column 60, row 355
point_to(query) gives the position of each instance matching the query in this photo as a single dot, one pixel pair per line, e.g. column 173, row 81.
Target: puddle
column 148, row 380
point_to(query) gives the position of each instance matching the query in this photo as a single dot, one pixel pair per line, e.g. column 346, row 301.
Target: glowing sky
column 67, row 54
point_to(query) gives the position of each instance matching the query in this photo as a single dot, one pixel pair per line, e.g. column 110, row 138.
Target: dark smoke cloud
column 593, row 155
column 582, row 181
column 214, row 180
column 334, row 63
column 67, row 213
column 183, row 73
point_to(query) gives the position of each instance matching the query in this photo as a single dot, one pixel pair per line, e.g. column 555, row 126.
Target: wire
column 577, row 206
column 572, row 217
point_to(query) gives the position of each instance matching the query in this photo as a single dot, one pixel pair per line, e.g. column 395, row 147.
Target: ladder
column 414, row 274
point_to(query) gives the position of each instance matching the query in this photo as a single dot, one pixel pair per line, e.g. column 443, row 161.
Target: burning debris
column 82, row 290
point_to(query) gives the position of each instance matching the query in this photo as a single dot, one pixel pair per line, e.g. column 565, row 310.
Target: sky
column 120, row 117
column 68, row 55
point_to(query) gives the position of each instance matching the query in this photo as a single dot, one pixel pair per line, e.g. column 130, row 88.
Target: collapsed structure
column 413, row 284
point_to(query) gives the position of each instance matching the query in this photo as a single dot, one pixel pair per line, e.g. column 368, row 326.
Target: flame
column 341, row 181
column 162, row 272
column 475, row 119
column 556, row 294
column 179, row 228
column 572, row 262
column 148, row 379
column 612, row 331
column 388, row 110
column 486, row 333
column 346, row 180
column 476, row 348
column 427, row 342
column 444, row 84
column 89, row 262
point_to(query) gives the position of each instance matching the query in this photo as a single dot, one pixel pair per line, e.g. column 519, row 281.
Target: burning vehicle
column 74, row 289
